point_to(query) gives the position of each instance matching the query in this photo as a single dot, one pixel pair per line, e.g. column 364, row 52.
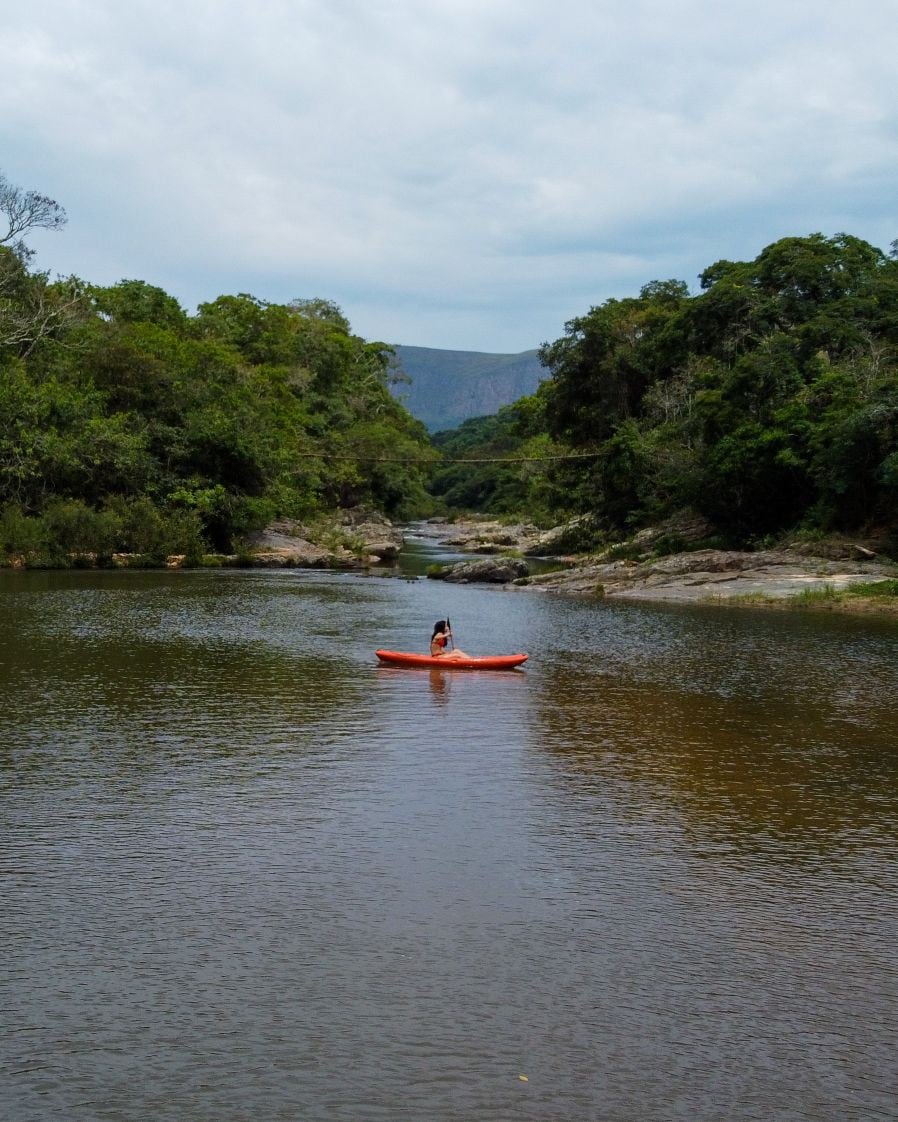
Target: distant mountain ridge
column 448, row 387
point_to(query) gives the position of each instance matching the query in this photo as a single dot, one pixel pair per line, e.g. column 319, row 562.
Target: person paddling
column 442, row 633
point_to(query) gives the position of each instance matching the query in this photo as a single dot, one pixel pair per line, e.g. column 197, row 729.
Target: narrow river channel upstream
column 248, row 874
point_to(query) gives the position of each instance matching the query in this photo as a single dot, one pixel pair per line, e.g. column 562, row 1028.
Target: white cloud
column 454, row 173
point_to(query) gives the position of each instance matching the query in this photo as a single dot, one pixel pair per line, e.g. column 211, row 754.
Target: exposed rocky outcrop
column 490, row 570
column 684, row 528
column 376, row 535
column 694, row 575
column 711, row 575
column 287, row 544
column 483, row 536
column 356, row 539
column 443, row 388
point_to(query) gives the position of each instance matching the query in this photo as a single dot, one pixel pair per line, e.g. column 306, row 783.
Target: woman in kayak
column 441, row 636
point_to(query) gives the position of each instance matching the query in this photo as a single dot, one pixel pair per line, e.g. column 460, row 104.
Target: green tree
column 766, row 400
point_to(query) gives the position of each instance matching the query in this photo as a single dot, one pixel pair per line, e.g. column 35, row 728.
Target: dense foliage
column 126, row 424
column 496, row 464
column 768, row 401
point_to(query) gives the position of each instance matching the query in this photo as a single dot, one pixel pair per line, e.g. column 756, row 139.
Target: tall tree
column 31, row 307
column 23, row 211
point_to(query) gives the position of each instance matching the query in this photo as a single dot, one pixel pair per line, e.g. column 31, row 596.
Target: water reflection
column 440, row 681
column 773, row 773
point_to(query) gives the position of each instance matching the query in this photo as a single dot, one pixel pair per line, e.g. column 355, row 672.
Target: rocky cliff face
column 448, row 387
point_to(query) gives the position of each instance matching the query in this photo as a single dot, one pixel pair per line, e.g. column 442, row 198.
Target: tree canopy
column 768, row 401
column 119, row 408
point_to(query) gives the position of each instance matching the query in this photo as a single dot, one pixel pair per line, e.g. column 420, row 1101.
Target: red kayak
column 488, row 662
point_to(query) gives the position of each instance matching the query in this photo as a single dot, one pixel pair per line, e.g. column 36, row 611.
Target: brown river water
column 247, row 874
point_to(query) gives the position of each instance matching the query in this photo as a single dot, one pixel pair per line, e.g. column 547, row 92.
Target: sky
column 464, row 174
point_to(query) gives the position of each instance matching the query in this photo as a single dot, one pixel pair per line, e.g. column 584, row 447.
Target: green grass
column 624, row 551
column 884, row 588
column 884, row 591
column 741, row 598
column 810, row 596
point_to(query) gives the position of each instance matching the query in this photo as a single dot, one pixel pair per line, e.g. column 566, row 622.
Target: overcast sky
column 454, row 173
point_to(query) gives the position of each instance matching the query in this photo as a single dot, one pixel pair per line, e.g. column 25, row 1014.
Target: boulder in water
column 490, row 570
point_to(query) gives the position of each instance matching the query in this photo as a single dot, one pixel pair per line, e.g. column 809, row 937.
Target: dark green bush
column 20, row 535
column 158, row 533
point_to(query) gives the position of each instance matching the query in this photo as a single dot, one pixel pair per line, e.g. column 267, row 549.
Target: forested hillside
column 767, row 402
column 445, row 388
column 128, row 425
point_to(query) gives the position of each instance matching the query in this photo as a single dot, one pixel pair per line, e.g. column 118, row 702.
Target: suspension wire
column 443, row 460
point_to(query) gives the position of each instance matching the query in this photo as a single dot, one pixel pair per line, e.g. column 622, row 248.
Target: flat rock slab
column 708, row 575
column 704, row 587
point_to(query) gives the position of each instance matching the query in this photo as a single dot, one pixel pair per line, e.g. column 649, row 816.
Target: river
column 249, row 874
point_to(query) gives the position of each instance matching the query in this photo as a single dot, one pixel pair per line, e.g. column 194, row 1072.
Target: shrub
column 157, row 533
column 19, row 534
column 72, row 527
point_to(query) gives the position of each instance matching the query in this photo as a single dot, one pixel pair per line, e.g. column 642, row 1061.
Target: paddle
column 449, row 629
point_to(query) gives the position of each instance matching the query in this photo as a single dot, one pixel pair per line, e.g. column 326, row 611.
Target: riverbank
column 844, row 576
column 724, row 577
column 783, row 578
column 348, row 540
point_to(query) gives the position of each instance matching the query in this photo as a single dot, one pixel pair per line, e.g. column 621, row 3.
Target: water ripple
column 247, row 873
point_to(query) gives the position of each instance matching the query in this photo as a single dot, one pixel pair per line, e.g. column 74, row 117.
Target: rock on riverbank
column 709, row 575
column 484, row 535
column 358, row 538
column 481, row 535
column 491, row 570
column 690, row 576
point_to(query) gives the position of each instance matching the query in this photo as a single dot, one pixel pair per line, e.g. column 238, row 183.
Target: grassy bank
column 875, row 597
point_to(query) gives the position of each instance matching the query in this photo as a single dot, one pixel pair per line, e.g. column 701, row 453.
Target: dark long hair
column 438, row 628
